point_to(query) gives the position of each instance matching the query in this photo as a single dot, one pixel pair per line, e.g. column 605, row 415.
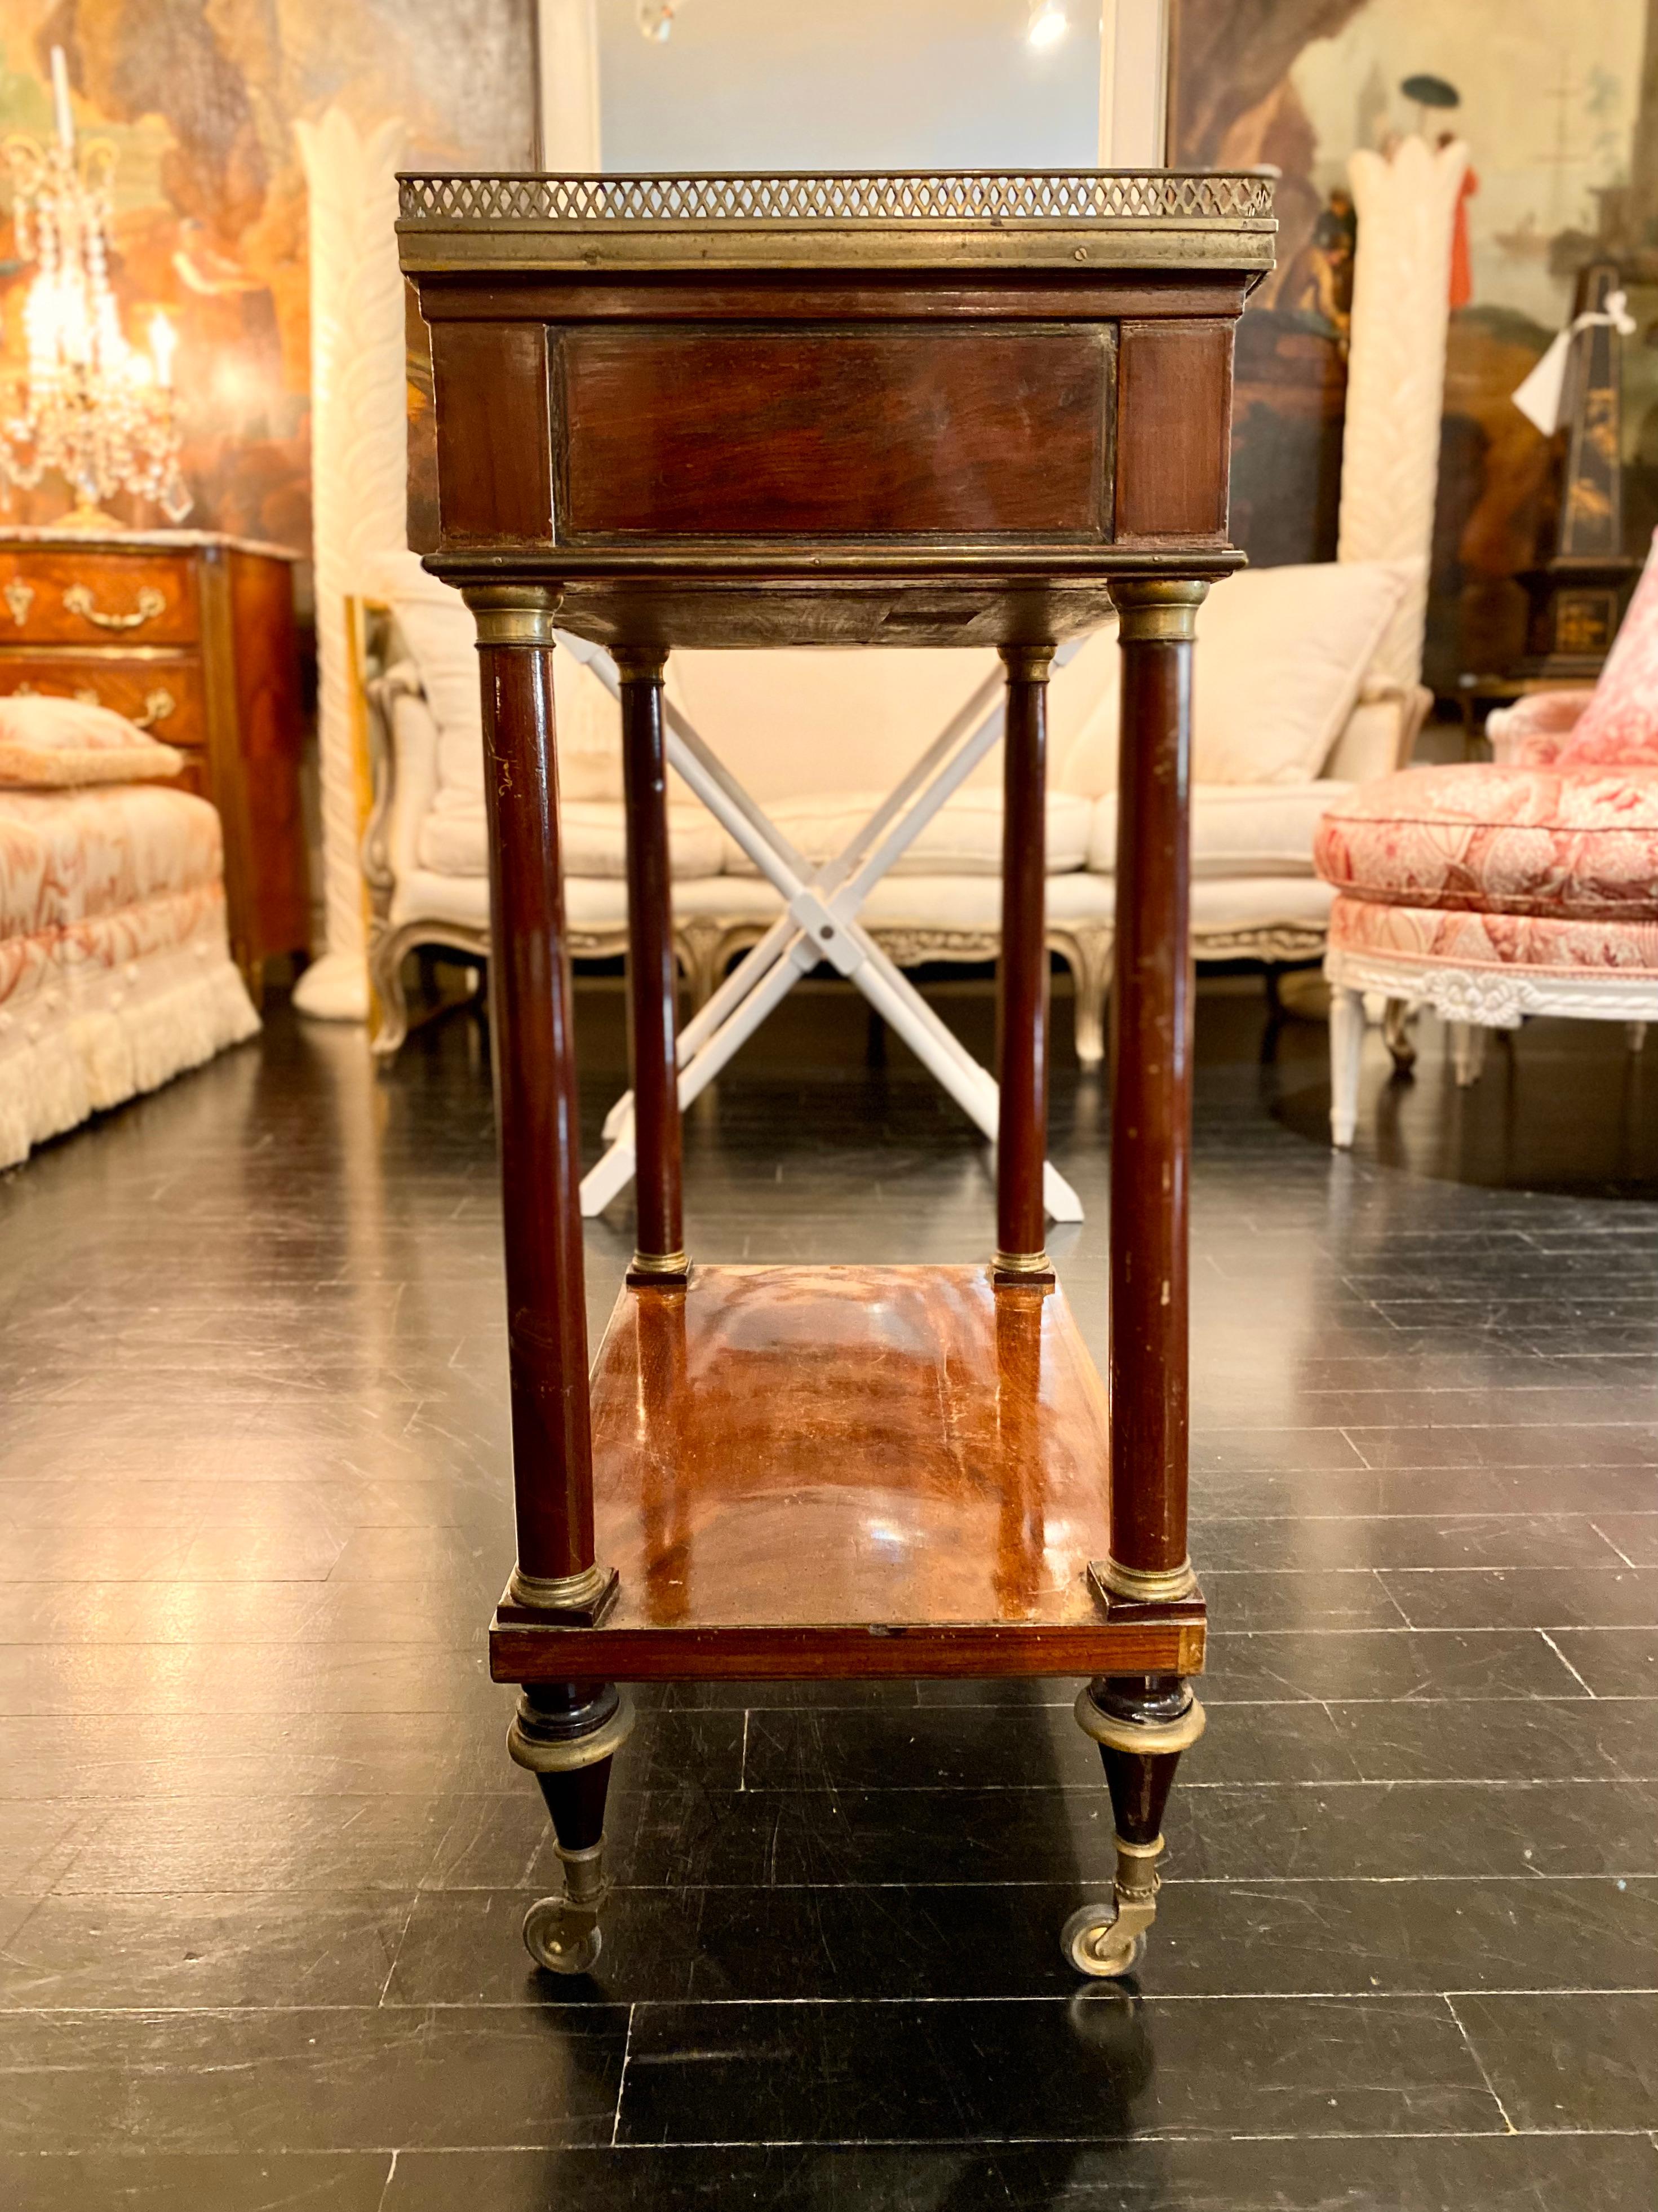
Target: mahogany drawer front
column 984, row 433
column 51, row 595
column 164, row 695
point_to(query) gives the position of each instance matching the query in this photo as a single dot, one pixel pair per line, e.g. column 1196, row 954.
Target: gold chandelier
column 89, row 404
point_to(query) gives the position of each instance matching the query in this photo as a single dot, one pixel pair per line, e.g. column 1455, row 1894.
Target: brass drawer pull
column 78, row 601
column 158, row 704
column 20, row 597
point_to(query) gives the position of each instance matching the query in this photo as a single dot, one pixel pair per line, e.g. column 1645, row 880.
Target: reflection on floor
column 263, row 1858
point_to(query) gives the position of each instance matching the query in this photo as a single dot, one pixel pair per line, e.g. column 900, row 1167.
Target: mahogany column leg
column 1022, row 975
column 1152, row 1096
column 1143, row 1723
column 652, row 970
column 567, row 1733
column 557, row 1577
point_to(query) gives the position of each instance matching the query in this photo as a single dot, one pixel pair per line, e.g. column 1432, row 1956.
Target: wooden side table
column 191, row 635
column 782, row 411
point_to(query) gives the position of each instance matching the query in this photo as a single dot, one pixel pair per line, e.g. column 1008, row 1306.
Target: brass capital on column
column 640, row 663
column 578, row 1601
column 1157, row 610
column 1027, row 664
column 1142, row 1585
column 513, row 614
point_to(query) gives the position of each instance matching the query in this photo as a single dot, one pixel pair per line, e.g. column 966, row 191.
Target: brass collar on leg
column 1148, row 1738
column 639, row 664
column 579, row 1600
column 1022, row 1267
column 658, row 1267
column 1156, row 610
column 513, row 614
column 1142, row 1585
column 529, row 1745
column 1028, row 664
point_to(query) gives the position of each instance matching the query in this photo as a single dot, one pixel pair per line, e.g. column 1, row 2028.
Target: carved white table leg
column 1347, row 1050
column 1467, row 1052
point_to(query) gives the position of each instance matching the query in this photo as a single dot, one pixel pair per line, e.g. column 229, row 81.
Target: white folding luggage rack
column 820, row 922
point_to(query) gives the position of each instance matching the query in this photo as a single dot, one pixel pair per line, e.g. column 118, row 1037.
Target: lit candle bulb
column 163, row 344
column 60, row 99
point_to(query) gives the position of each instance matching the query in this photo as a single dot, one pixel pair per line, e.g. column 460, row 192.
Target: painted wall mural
column 199, row 99
column 1559, row 108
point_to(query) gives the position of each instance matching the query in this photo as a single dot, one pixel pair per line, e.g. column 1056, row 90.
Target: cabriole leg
column 1142, row 1723
column 1396, row 1032
column 567, row 1733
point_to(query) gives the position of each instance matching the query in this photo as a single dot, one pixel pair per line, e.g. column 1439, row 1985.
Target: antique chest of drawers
column 191, row 635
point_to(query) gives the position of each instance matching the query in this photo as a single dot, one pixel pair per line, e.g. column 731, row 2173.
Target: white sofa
column 1290, row 710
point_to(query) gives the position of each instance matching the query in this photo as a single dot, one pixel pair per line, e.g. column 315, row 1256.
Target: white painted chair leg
column 819, row 902
column 610, row 1176
column 1346, row 1051
column 1467, row 1052
column 1637, row 1033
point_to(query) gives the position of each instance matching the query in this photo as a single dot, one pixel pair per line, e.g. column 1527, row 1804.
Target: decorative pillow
column 1619, row 726
column 442, row 639
column 52, row 743
column 1282, row 655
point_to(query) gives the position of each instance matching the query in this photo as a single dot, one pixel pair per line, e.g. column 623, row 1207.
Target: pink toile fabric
column 1620, row 722
column 114, row 969
column 1539, row 942
column 93, row 851
column 1483, row 838
column 1530, row 733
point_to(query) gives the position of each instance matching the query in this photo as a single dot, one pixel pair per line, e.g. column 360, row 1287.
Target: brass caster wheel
column 1095, row 1941
column 561, row 1937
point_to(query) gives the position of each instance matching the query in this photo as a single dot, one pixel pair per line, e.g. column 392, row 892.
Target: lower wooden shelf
column 849, row 1471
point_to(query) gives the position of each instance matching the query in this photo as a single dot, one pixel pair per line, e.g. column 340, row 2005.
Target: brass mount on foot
column 535, row 1738
column 1151, row 1723
column 563, row 1934
column 1106, row 1943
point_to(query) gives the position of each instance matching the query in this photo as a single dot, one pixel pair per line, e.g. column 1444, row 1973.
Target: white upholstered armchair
column 1291, row 709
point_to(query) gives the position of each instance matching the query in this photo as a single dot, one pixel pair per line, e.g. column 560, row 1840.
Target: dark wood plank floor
column 259, row 1890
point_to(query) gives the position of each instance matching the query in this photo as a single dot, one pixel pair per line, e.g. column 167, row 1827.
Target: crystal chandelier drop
column 89, row 404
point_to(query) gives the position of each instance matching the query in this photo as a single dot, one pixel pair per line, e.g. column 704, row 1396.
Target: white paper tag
column 1538, row 397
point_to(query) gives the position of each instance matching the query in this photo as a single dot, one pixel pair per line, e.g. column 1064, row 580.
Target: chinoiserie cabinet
column 191, row 635
column 873, row 410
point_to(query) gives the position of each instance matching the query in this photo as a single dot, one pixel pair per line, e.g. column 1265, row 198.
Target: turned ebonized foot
column 1142, row 1723
column 567, row 1733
